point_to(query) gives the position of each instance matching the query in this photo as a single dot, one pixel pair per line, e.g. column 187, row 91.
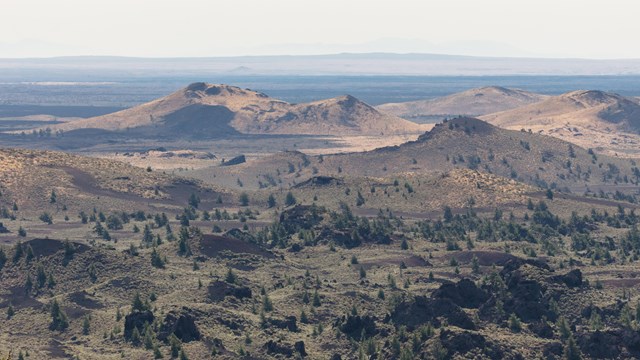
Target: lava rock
column 218, row 290
column 182, row 324
column 288, row 323
column 355, row 325
column 273, row 348
column 299, row 346
column 464, row 294
column 552, row 350
column 137, row 320
column 463, row 342
column 572, row 279
column 542, row 329
column 235, row 161
column 421, row 310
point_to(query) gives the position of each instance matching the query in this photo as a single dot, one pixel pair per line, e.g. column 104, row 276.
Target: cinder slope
column 591, row 119
column 587, row 108
column 29, row 177
column 205, row 110
column 468, row 143
column 472, row 102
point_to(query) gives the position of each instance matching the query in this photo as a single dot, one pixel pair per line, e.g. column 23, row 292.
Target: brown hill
column 29, row 177
column 465, row 143
column 590, row 108
column 586, row 117
column 472, row 102
column 204, row 110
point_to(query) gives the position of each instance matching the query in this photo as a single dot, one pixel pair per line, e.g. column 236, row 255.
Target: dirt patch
column 620, row 283
column 18, row 298
column 485, row 258
column 74, row 312
column 56, row 350
column 83, row 299
column 409, row 261
column 86, row 183
column 214, row 245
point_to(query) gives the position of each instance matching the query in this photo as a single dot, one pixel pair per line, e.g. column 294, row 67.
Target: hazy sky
column 540, row 28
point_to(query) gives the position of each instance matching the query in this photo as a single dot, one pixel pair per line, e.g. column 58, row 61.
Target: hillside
column 472, row 102
column 467, row 143
column 586, row 117
column 210, row 111
column 28, row 179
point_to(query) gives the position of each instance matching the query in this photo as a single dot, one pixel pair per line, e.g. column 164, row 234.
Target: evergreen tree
column 3, row 258
column 290, row 200
column 59, row 320
column 86, row 325
column 271, row 202
column 147, row 235
column 230, row 277
column 10, row 311
column 156, row 260
column 571, row 350
column 137, row 304
column 175, row 345
column 194, row 200
column 41, row 276
column 135, row 337
column 475, row 265
column 267, row 305
column 244, row 199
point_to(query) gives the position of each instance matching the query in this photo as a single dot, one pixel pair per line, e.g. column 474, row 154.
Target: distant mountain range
column 337, row 64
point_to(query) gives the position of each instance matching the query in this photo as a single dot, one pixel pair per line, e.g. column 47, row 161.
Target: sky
column 186, row 28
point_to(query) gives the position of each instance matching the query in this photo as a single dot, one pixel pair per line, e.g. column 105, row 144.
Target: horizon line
column 314, row 55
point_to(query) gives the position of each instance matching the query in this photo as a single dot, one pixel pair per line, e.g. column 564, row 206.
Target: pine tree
column 175, row 345
column 3, row 258
column 28, row 285
column 267, row 305
column 29, row 254
column 93, row 273
column 10, row 311
column 244, row 199
column 41, row 276
column 59, row 320
column 231, row 277
column 156, row 260
column 135, row 336
column 51, row 282
column 271, row 202
column 475, row 265
column 147, row 235
column 137, row 304
column 514, row 323
column 86, row 325
column 571, row 350
column 290, row 199
column 183, row 355
column 157, row 354
column 303, row 317
column 148, row 337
